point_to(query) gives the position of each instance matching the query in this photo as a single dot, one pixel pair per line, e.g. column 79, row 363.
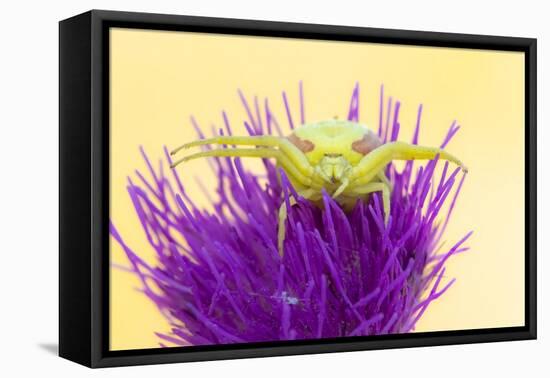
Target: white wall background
column 29, row 189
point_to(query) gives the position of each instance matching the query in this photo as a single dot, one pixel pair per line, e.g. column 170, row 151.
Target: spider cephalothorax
column 344, row 158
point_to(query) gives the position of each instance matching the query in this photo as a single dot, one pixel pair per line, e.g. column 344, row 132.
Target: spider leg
column 264, row 153
column 376, row 187
column 341, row 188
column 372, row 163
column 281, row 232
column 382, row 176
column 283, row 214
column 284, row 145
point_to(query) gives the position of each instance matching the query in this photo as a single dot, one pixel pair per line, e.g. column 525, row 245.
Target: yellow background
column 158, row 79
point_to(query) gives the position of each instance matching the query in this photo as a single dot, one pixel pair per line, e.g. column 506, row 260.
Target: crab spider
column 344, row 158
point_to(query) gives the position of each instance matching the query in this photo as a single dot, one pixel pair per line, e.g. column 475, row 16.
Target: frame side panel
column 531, row 186
column 74, row 189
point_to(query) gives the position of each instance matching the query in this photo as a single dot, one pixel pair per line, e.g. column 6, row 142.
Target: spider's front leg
column 375, row 161
column 372, row 166
column 283, row 215
column 286, row 153
column 288, row 157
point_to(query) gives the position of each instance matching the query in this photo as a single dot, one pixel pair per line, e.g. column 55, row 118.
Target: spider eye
column 332, row 155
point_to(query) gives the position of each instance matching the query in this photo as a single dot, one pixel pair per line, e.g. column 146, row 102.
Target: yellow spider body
column 344, row 158
column 332, row 148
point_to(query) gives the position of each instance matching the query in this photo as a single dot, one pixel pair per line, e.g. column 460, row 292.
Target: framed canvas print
column 234, row 188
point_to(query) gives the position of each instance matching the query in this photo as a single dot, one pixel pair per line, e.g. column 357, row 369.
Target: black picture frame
column 84, row 194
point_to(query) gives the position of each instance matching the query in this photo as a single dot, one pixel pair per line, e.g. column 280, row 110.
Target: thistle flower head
column 342, row 273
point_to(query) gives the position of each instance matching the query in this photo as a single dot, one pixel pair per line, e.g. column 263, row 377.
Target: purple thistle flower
column 342, row 274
